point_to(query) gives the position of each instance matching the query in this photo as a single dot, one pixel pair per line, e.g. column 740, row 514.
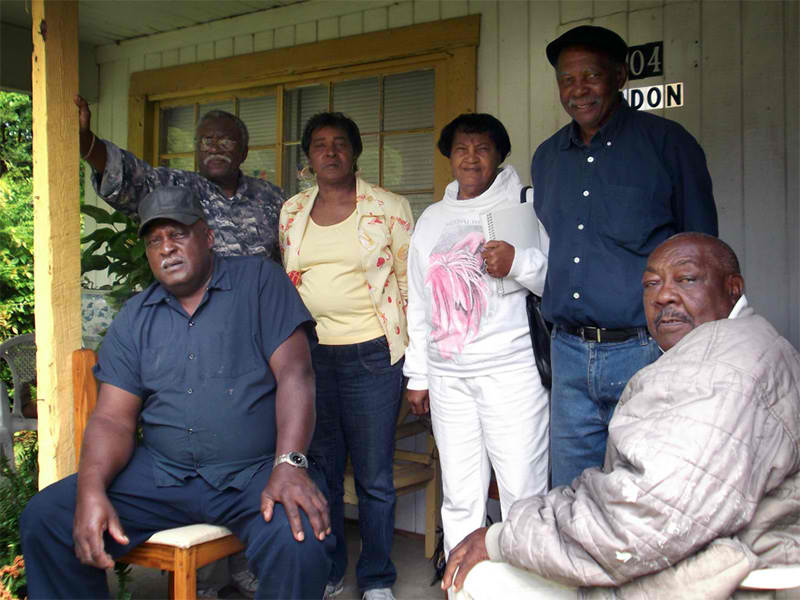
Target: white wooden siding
column 737, row 60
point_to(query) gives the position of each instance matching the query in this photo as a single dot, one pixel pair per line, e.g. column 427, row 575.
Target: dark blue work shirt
column 608, row 204
column 208, row 393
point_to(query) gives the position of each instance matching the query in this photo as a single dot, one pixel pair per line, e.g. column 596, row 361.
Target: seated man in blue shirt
column 609, row 187
column 213, row 362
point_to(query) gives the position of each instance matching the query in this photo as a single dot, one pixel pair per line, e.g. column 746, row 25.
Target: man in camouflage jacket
column 242, row 211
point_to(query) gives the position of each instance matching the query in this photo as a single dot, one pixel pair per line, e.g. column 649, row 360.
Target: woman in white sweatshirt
column 469, row 359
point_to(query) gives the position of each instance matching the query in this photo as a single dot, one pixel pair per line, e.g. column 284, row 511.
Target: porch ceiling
column 108, row 21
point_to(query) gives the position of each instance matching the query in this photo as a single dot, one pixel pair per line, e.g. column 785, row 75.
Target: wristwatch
column 296, row 459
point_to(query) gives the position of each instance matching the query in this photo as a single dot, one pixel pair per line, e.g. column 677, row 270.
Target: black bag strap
column 523, row 194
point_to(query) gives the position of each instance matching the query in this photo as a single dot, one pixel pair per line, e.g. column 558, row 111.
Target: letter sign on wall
column 655, row 96
column 646, row 60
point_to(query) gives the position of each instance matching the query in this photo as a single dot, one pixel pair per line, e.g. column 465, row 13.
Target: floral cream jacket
column 384, row 232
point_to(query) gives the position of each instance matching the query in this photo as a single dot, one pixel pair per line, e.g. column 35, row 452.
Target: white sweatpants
column 502, row 418
column 489, row 580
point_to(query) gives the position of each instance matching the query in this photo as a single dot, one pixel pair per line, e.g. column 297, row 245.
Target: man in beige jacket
column 700, row 484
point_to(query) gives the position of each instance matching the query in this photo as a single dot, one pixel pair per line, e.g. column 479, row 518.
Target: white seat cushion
column 189, row 535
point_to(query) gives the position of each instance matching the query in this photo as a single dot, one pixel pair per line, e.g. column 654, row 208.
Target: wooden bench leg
column 184, row 584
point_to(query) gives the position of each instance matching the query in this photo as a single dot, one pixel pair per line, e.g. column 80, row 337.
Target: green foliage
column 16, row 215
column 115, row 245
column 16, row 136
column 123, row 572
column 16, row 488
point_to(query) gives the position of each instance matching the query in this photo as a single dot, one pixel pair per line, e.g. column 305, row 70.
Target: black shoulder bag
column 540, row 329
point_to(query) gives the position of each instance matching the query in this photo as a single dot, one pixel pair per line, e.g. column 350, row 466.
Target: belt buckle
column 590, row 338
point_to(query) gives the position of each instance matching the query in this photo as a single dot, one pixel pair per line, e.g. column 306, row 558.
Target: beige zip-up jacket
column 702, row 448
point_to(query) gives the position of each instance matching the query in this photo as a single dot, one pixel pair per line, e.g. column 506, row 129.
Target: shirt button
column 608, row 143
column 191, row 355
column 580, row 226
column 576, row 260
column 590, row 159
column 189, row 391
column 191, row 323
column 576, row 295
column 585, row 193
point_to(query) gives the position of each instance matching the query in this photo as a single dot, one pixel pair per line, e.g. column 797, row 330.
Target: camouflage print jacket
column 246, row 224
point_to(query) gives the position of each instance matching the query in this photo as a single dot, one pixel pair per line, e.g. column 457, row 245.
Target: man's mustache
column 575, row 103
column 670, row 314
column 211, row 157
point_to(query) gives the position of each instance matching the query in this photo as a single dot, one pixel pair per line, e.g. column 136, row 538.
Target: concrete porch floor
column 414, row 573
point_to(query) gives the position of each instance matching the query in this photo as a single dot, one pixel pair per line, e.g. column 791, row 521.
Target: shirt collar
column 241, row 186
column 740, row 305
column 572, row 134
column 220, row 279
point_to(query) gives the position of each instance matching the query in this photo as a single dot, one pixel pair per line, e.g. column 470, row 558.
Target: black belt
column 600, row 334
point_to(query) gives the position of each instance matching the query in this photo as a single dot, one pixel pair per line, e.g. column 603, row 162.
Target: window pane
column 419, row 202
column 408, row 101
column 368, row 161
column 260, row 164
column 358, row 99
column 177, row 130
column 259, row 116
column 408, row 161
column 226, row 105
column 300, row 104
column 185, row 163
column 296, row 175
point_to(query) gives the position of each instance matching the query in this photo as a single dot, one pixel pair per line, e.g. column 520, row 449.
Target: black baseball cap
column 170, row 202
column 592, row 37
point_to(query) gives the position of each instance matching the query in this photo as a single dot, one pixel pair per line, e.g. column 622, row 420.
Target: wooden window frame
column 449, row 46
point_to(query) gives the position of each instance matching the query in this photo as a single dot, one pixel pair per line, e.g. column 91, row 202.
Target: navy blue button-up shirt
column 608, row 204
column 208, row 392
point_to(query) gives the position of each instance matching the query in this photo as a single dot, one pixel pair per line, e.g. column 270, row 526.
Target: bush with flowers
column 16, row 488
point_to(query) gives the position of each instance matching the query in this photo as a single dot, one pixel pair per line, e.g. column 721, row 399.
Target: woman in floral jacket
column 344, row 244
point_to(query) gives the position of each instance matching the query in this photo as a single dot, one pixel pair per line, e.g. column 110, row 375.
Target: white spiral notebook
column 516, row 225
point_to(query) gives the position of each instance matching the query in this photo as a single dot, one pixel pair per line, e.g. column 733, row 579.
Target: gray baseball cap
column 170, row 202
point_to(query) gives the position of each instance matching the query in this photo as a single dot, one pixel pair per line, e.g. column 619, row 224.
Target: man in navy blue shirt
column 609, row 187
column 213, row 362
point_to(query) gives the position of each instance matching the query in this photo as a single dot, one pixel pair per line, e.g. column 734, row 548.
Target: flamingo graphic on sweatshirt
column 459, row 293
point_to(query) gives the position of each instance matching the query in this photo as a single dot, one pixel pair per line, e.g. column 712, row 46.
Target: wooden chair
column 181, row 550
column 412, row 471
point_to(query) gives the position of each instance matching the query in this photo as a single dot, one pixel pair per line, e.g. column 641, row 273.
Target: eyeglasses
column 208, row 143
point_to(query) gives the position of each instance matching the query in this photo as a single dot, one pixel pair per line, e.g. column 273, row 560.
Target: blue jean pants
column 285, row 568
column 588, row 379
column 358, row 397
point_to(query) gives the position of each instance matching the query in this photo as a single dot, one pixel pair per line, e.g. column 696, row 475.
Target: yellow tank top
column 333, row 286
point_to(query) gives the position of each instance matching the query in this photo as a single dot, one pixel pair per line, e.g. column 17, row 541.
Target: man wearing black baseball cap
column 609, row 187
column 213, row 361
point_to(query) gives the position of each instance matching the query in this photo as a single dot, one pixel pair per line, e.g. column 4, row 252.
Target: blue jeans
column 588, row 379
column 358, row 397
column 285, row 568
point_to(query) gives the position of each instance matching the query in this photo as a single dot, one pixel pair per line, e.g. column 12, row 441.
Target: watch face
column 298, row 459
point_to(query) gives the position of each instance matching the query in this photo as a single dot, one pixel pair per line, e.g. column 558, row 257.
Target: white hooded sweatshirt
column 458, row 325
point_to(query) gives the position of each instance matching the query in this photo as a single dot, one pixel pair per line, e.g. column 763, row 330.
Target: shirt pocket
column 231, row 355
column 629, row 216
column 159, row 365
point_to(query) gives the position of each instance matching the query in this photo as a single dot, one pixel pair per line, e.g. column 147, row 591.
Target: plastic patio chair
column 20, row 354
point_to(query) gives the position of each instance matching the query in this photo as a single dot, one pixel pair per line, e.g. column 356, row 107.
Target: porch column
column 57, row 270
